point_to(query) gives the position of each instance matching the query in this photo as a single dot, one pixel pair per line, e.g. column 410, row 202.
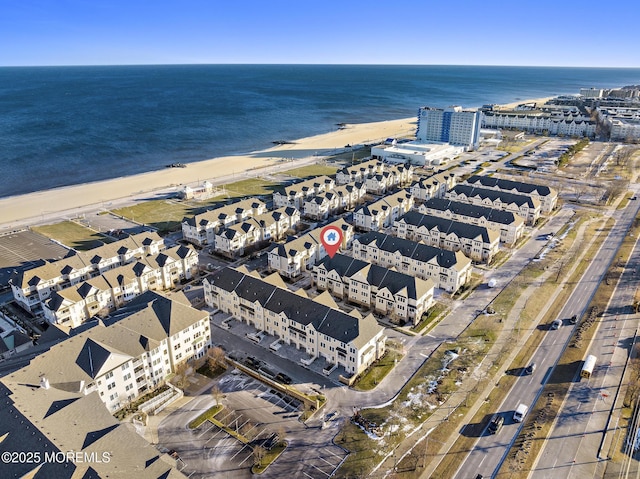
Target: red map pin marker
column 331, row 238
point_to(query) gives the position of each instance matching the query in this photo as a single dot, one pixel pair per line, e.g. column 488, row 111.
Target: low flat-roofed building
column 478, row 243
column 418, row 153
column 342, row 339
column 510, row 225
column 625, row 129
column 400, row 296
column 527, row 206
column 449, row 270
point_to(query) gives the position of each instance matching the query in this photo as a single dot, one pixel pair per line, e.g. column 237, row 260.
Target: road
column 572, row 448
column 490, row 450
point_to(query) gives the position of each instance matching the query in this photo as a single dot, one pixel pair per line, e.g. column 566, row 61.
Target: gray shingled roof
column 503, row 196
column 508, row 185
column 377, row 276
column 331, row 322
column 447, row 226
column 473, row 211
column 409, row 249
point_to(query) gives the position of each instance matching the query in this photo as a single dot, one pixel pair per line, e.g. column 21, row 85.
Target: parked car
column 283, row 378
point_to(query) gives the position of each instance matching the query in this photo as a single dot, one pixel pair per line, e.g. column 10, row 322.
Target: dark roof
column 509, row 185
column 504, row 196
column 377, row 276
column 92, row 357
column 472, row 211
column 409, row 249
column 447, row 226
column 331, row 322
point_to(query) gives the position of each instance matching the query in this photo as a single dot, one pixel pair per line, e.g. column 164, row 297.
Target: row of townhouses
column 33, row 286
column 434, row 186
column 510, row 225
column 64, row 399
column 449, row 270
column 297, row 255
column 296, row 194
column 526, row 206
column 311, row 325
column 377, row 176
column 382, row 213
column 547, row 196
column 105, row 293
column 478, row 243
column 234, row 239
column 400, row 296
column 201, row 229
column 339, row 199
column 553, row 123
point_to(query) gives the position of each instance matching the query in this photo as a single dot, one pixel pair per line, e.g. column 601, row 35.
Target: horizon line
column 322, row 64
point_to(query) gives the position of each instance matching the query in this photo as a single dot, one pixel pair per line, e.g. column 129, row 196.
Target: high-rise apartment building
column 451, row 125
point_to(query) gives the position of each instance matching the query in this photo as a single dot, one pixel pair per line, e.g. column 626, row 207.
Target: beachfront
column 47, row 206
column 22, row 210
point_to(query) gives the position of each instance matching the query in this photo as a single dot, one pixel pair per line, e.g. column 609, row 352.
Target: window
column 108, row 375
column 127, row 376
column 176, row 347
column 125, row 366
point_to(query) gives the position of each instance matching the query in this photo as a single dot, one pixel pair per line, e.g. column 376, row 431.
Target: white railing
column 162, row 400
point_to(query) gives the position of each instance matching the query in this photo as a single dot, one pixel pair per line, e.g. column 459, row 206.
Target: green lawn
column 205, row 416
column 73, row 235
column 427, row 318
column 311, row 171
column 165, row 215
column 378, row 371
column 250, row 187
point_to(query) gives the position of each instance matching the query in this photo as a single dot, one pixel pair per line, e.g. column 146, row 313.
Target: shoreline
column 46, row 206
column 22, row 210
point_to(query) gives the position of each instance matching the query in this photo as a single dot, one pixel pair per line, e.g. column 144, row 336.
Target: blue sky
column 99, row 32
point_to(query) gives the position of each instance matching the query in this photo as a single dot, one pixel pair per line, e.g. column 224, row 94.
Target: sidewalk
column 201, row 385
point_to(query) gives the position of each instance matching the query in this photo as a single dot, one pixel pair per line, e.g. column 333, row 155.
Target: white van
column 520, row 412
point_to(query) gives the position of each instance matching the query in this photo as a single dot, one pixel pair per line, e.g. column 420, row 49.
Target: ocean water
column 67, row 125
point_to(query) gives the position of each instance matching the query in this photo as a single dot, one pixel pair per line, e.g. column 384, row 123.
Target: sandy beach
column 22, row 210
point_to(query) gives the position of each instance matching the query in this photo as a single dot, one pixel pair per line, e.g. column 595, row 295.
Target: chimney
column 44, row 383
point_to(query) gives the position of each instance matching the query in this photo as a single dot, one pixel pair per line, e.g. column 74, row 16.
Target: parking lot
column 260, row 414
column 24, row 249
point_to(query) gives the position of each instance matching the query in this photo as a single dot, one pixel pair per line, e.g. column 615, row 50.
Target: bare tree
column 217, row 394
column 216, row 358
column 258, row 455
column 182, row 374
column 282, row 435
